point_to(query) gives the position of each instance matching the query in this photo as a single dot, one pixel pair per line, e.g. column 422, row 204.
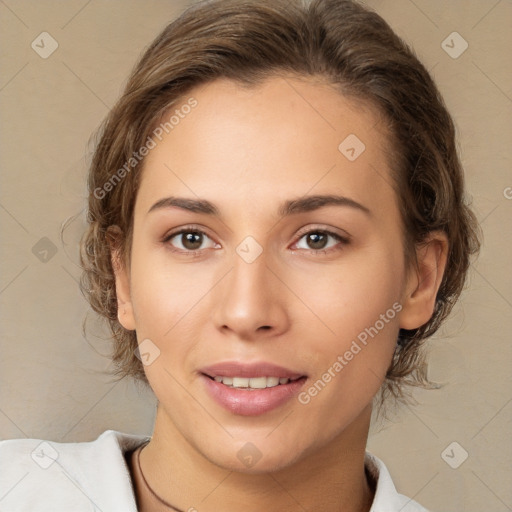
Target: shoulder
column 39, row 475
column 387, row 499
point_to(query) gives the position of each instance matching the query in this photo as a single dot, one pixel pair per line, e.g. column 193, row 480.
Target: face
column 264, row 251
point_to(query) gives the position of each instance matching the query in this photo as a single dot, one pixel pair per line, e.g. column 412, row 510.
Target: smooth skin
column 300, row 304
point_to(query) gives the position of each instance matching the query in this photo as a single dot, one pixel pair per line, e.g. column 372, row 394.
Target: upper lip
column 249, row 370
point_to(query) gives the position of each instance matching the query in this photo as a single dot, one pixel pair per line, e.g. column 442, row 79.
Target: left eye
column 191, row 241
column 318, row 240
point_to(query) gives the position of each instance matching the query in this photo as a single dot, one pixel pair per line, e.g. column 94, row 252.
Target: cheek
column 171, row 308
column 357, row 313
column 167, row 309
column 351, row 364
column 163, row 294
column 345, row 300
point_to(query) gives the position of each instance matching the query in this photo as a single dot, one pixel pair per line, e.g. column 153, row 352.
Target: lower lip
column 255, row 402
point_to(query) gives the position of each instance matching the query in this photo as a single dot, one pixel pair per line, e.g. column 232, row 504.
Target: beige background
column 53, row 382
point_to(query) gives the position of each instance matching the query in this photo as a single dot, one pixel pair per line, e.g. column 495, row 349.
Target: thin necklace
column 148, row 487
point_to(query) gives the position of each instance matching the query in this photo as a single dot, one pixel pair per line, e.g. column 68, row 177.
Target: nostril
column 265, row 327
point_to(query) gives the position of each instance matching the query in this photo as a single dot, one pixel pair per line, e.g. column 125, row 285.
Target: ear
column 122, row 276
column 423, row 281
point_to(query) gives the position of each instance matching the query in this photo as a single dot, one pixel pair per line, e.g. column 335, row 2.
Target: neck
column 330, row 479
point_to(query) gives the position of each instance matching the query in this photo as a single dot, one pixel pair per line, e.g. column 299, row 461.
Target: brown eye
column 317, row 240
column 190, row 240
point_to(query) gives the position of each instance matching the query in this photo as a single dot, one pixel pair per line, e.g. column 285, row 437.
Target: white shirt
column 43, row 476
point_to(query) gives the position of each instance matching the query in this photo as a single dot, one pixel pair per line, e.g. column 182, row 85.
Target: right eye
column 190, row 241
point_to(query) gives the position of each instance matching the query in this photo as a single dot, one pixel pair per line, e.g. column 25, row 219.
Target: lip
column 248, row 370
column 246, row 402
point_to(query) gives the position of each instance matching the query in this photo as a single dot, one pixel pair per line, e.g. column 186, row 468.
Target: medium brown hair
column 343, row 43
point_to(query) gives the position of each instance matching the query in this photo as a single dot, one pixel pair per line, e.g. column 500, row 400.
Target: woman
column 277, row 223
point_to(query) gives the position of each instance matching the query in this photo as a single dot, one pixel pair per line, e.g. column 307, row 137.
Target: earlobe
column 424, row 280
column 124, row 304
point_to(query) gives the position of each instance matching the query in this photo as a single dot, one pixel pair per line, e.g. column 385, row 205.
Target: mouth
column 251, row 389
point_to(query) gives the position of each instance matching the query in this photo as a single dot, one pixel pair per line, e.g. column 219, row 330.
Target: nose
column 251, row 301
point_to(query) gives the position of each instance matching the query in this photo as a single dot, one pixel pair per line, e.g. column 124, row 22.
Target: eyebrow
column 310, row 203
column 291, row 207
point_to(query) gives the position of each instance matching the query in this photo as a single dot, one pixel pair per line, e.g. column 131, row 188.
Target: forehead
column 284, row 137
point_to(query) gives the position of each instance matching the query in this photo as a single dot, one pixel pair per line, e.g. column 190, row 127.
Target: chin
column 266, row 464
column 256, row 455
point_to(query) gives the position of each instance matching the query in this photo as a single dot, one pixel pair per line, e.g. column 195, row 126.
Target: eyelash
column 195, row 253
column 182, row 231
column 339, row 238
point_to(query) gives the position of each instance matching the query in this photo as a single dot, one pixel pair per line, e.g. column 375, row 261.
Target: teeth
column 240, row 382
column 252, row 383
column 257, row 383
